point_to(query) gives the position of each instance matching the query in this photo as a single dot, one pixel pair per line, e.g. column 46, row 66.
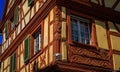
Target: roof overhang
column 93, row 9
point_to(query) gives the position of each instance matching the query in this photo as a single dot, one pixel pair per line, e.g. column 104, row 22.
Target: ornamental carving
column 57, row 30
column 89, row 57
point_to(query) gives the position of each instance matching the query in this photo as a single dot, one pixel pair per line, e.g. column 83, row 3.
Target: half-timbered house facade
column 60, row 36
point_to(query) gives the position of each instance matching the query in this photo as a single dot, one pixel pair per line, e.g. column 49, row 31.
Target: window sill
column 86, row 46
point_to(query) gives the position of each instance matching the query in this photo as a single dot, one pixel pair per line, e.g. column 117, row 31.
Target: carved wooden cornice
column 88, row 57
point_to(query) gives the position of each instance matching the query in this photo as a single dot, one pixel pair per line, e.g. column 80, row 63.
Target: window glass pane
column 80, row 29
column 30, row 2
column 37, row 42
column 12, row 23
column 74, row 27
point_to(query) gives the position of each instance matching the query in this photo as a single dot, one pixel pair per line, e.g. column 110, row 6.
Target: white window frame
column 39, row 47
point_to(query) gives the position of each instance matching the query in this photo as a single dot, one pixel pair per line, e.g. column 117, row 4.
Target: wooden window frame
column 38, row 32
column 39, row 28
column 79, row 22
column 92, row 29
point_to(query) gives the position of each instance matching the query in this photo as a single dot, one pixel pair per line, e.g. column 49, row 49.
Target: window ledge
column 86, row 46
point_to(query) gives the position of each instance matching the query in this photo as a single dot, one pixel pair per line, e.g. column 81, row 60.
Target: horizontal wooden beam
column 92, row 9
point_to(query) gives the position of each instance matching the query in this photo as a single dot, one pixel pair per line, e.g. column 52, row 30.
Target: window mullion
column 89, row 33
column 79, row 34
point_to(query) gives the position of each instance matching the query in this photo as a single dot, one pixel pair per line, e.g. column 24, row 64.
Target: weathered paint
column 101, row 34
column 116, row 61
column 115, row 41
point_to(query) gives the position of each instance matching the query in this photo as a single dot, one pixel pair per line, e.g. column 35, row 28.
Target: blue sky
column 2, row 2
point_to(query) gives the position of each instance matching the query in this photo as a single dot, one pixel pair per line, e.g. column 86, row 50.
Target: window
column 80, row 28
column 13, row 63
column 37, row 42
column 6, row 30
column 27, row 49
column 12, row 23
column 14, row 20
column 16, row 15
column 30, row 2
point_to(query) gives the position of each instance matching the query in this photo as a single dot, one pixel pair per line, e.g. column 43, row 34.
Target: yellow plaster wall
column 21, row 60
column 116, row 61
column 64, row 33
column 8, row 69
column 51, row 32
column 63, row 12
column 51, row 54
column 23, row 24
column 115, row 41
column 112, row 27
column 46, row 57
column 25, row 7
column 45, row 42
column 101, row 34
column 6, row 62
column 18, row 29
column 51, row 15
column 37, row 5
column 27, row 17
column 32, row 12
column 64, row 51
column 109, row 3
column 42, row 65
column 25, row 69
column 118, row 26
